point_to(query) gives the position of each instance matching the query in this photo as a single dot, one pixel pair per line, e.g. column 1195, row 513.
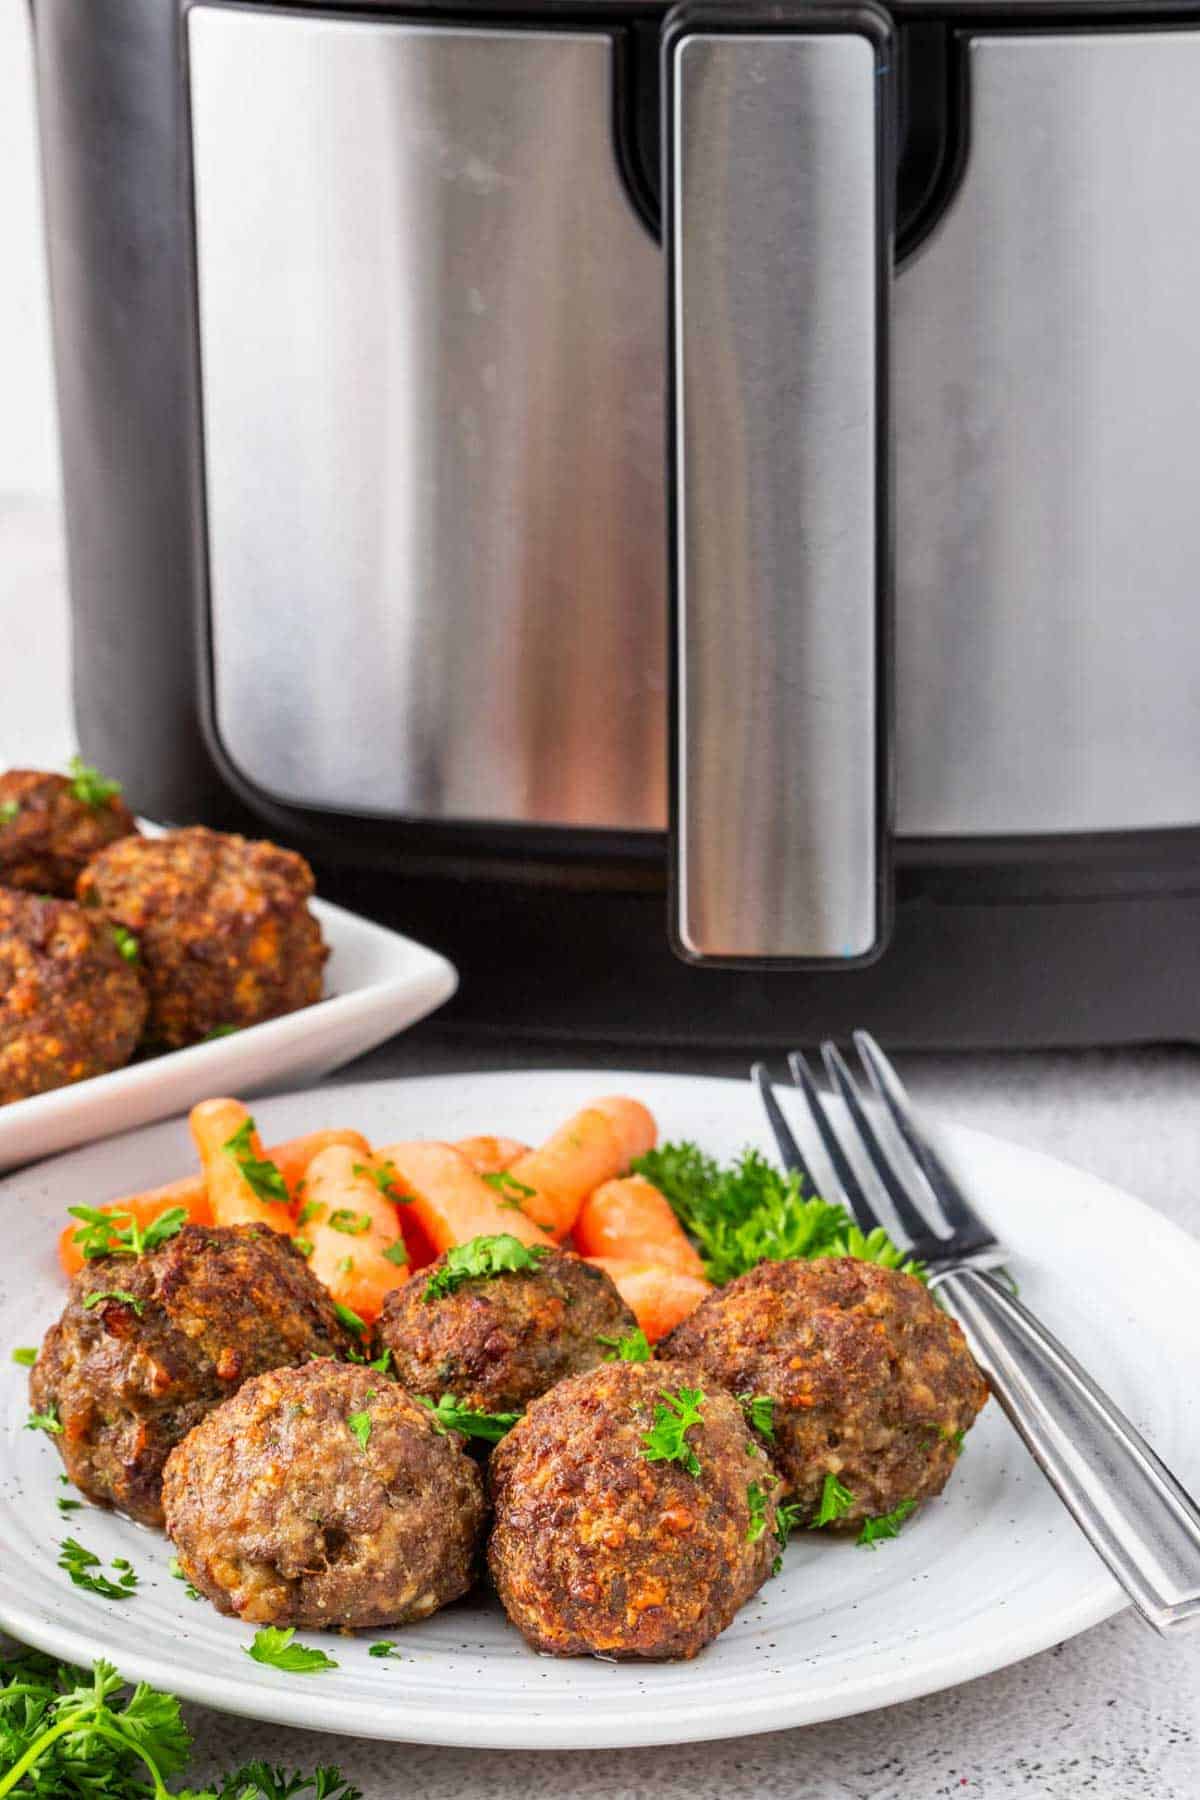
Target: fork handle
column 1136, row 1515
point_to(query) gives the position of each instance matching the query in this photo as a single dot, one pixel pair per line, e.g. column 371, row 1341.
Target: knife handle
column 1140, row 1520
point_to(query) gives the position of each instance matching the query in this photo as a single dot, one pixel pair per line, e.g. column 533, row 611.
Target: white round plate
column 991, row 1572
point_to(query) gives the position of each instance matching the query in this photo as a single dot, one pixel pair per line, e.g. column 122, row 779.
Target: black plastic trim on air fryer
column 807, row 17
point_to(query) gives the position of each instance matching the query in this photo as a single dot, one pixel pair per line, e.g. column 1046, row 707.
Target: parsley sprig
column 261, row 1175
column 674, row 1416
column 45, row 1421
column 756, row 1500
column 748, row 1211
column 273, row 1646
column 103, row 1234
column 760, row 1413
column 449, row 1415
column 482, row 1257
column 67, row 1734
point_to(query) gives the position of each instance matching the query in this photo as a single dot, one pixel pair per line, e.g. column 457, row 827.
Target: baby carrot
column 491, row 1155
column 244, row 1186
column 593, row 1147
column 629, row 1220
column 190, row 1193
column 353, row 1228
column 450, row 1202
column 658, row 1297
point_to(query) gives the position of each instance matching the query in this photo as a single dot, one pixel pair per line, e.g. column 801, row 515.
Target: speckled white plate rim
column 718, row 1695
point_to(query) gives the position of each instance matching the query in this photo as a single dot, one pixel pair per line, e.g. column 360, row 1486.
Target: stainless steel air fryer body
column 483, row 494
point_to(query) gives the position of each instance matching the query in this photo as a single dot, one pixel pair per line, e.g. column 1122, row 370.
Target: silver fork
column 1136, row 1515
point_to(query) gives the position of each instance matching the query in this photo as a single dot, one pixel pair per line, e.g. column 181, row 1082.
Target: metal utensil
column 1133, row 1511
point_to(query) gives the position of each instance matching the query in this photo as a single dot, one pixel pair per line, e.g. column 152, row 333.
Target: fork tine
column 853, row 1192
column 959, row 1213
column 912, row 1220
column 789, row 1150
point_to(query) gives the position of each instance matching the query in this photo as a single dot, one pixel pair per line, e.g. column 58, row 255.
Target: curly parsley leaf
column 45, row 1421
column 748, row 1211
column 633, row 1347
column 89, row 786
column 65, row 1735
column 449, row 1415
column 120, row 1294
column 674, row 1416
column 836, row 1501
column 261, row 1175
column 25, row 1355
column 482, row 1257
column 273, row 1646
column 756, row 1500
column 103, row 1234
column 83, row 1566
column 885, row 1525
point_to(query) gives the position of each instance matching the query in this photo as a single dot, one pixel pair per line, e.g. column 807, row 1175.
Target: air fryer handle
column 777, row 203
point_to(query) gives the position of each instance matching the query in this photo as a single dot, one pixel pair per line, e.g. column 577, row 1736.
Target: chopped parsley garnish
column 504, row 1183
column 82, row 1565
column 126, row 943
column 448, row 1415
column 674, row 1416
column 633, row 1347
column 72, row 1734
column 396, row 1253
column 312, row 1209
column 121, row 1294
column 350, row 1223
column 360, row 1425
column 274, row 1647
column 175, row 1567
column 748, row 1211
column 89, row 786
column 836, row 1501
column 344, row 1265
column 26, row 1355
column 756, row 1500
column 382, row 1647
column 304, row 1245
column 261, row 1175
column 45, row 1421
column 384, row 1176
column 886, row 1525
column 350, row 1319
column 102, row 1234
column 482, row 1256
column 219, row 1031
column 66, row 1506
column 760, row 1412
column 382, row 1362
column 8, row 811
column 955, row 1439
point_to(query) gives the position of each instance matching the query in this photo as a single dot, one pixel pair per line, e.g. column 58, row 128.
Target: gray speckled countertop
column 1114, row 1714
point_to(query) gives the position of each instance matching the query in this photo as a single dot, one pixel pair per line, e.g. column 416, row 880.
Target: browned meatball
column 50, row 825
column 70, row 1004
column 129, row 1375
column 499, row 1341
column 872, row 1382
column 599, row 1549
column 324, row 1496
column 225, row 932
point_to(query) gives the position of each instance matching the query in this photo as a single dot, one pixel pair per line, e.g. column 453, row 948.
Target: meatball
column 70, row 1004
column 499, row 1341
column 51, row 825
column 225, row 932
column 601, row 1549
column 324, row 1496
column 174, row 1332
column 872, row 1382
